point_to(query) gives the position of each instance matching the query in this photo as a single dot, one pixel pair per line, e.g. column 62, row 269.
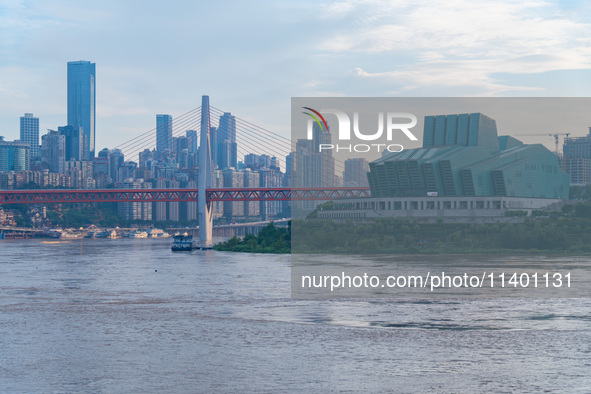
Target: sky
column 251, row 57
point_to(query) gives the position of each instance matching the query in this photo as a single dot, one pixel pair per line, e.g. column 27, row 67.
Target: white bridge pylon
column 205, row 175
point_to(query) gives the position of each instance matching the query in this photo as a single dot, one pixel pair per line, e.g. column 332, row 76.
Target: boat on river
column 182, row 242
column 157, row 233
column 64, row 234
column 140, row 234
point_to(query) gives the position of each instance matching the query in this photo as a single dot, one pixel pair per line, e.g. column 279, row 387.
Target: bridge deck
column 161, row 195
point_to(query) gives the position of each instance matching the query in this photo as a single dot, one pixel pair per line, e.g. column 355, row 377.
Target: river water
column 129, row 315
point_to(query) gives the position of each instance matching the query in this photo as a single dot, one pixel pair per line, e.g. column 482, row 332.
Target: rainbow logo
column 315, row 118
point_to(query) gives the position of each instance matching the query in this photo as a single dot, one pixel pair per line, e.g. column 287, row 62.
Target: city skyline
column 346, row 48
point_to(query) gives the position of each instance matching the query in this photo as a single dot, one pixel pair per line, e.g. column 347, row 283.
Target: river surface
column 129, row 315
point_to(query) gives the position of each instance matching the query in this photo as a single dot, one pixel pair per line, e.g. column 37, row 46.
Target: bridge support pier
column 205, row 174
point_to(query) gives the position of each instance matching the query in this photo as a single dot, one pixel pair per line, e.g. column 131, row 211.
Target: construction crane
column 555, row 135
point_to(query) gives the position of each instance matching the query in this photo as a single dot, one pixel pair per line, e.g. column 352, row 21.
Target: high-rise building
column 163, row 135
column 100, row 169
column 191, row 206
column 173, row 206
column 146, row 157
column 226, row 138
column 53, row 151
column 193, row 141
column 14, row 155
column 159, row 208
column 75, row 143
column 81, row 102
column 30, row 133
column 310, row 167
column 233, row 179
column 355, row 173
column 314, row 168
column 577, row 159
column 251, row 208
column 117, row 159
column 80, row 173
column 135, row 210
column 127, row 171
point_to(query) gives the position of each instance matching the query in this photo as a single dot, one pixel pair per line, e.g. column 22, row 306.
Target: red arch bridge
column 160, row 195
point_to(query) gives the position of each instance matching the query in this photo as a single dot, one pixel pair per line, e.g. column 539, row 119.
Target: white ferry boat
column 63, row 234
column 140, row 234
column 157, row 233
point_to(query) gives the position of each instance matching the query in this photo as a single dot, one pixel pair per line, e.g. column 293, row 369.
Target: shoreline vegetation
column 271, row 239
column 547, row 235
column 558, row 232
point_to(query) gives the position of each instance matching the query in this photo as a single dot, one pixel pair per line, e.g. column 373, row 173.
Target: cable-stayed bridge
column 252, row 138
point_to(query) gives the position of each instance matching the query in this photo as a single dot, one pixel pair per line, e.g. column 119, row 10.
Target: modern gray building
column 29, row 132
column 462, row 155
column 464, row 172
column 82, row 102
column 53, row 151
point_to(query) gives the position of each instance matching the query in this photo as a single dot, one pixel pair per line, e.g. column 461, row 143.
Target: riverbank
column 551, row 236
column 271, row 239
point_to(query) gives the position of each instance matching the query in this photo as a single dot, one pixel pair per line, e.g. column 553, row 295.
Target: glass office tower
column 81, row 102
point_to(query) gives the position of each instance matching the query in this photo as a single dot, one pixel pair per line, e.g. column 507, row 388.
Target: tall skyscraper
column 227, row 148
column 163, row 135
column 30, row 134
column 81, row 102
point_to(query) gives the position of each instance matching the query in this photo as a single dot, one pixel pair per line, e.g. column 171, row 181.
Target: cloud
column 457, row 43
